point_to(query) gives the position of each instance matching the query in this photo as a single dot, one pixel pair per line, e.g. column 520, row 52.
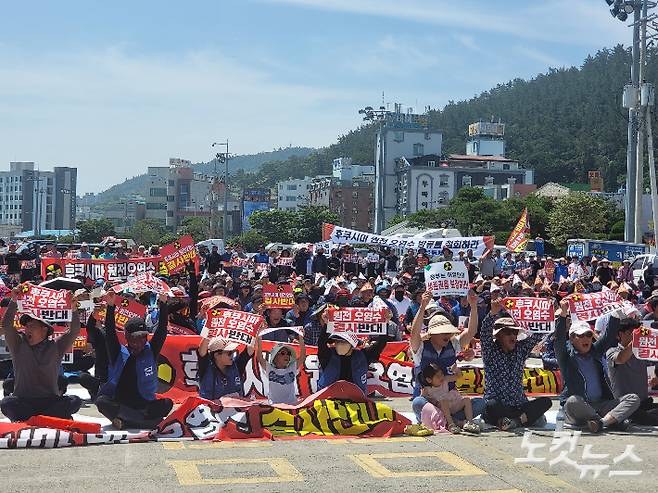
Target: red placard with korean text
column 177, row 254
column 232, row 325
column 45, row 303
column 360, row 321
column 533, row 314
column 278, row 296
column 589, row 306
column 645, row 343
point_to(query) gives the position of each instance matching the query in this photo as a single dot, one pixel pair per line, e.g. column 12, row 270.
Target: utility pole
column 223, row 157
column 631, row 152
column 641, row 125
column 379, row 116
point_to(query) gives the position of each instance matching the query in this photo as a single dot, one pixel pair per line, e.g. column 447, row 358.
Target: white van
column 211, row 243
column 641, row 263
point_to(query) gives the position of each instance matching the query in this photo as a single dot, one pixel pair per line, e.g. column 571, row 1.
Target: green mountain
column 562, row 123
column 247, row 162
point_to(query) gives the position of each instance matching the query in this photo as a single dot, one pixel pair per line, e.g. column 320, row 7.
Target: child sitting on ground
column 281, row 370
column 434, row 387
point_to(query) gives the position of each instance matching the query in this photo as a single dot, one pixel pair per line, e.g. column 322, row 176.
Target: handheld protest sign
column 232, row 325
column 177, row 254
column 589, row 306
column 533, row 314
column 278, row 296
column 645, row 343
column 360, row 321
column 448, row 278
column 44, row 303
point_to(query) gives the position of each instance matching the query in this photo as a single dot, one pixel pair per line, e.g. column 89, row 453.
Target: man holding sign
column 37, row 359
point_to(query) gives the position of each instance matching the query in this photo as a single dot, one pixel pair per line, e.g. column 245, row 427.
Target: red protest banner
column 284, row 261
column 178, row 253
column 278, row 296
column 232, row 325
column 92, row 269
column 360, row 321
column 533, row 314
column 645, row 343
column 588, row 306
column 45, row 303
column 143, row 283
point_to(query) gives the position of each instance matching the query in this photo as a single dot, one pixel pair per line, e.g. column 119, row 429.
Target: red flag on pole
column 518, row 238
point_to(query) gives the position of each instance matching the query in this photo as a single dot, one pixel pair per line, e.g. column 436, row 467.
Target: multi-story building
column 430, row 181
column 125, row 213
column 345, row 169
column 401, row 134
column 292, row 193
column 38, row 201
column 351, row 199
column 156, row 194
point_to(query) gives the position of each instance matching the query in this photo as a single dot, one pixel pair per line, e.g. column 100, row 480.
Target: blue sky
column 113, row 87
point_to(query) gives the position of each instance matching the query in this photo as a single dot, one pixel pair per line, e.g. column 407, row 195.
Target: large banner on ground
column 391, row 376
column 434, row 246
column 339, row 410
column 93, row 269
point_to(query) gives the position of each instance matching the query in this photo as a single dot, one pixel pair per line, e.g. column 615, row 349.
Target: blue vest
column 445, row 360
column 145, row 367
column 331, row 373
column 214, row 384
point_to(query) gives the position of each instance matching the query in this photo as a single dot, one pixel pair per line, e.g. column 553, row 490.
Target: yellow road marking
column 187, row 471
column 532, row 471
column 372, row 466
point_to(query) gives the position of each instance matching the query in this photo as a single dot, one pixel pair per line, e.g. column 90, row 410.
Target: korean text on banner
column 177, row 254
column 360, row 321
column 232, row 325
column 449, row 278
column 127, row 309
column 533, row 314
column 92, row 269
column 588, row 306
column 645, row 343
column 518, row 238
column 143, row 283
column 278, row 296
column 433, row 246
column 45, row 303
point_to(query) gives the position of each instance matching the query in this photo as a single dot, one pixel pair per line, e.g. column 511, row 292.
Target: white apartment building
column 292, row 193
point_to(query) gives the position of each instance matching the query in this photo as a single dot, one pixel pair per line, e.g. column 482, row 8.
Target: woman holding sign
column 440, row 346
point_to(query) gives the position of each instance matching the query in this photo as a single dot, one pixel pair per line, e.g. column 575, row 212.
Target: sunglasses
column 284, row 353
column 508, row 332
column 586, row 334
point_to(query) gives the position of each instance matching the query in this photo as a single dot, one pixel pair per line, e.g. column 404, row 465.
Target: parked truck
column 615, row 251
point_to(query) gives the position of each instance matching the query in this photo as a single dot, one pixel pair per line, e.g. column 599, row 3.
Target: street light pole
column 372, row 115
column 223, row 158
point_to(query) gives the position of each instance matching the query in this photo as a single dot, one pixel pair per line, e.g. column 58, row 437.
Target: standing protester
column 128, row 398
column 333, row 264
column 320, row 262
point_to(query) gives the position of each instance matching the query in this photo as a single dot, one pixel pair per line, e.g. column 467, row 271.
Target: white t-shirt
column 282, row 383
column 401, row 306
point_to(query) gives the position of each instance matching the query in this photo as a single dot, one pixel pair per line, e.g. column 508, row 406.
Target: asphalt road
column 439, row 463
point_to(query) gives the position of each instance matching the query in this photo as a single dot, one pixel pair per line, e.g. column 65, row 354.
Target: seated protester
column 440, row 345
column 274, row 318
column 548, row 359
column 400, row 301
column 587, row 397
column 281, row 370
column 244, row 294
column 95, row 337
column 383, row 292
column 504, row 352
column 317, row 324
column 365, row 296
column 300, row 314
column 256, row 301
column 221, row 369
column 342, row 356
column 128, row 397
column 434, row 387
column 628, row 375
column 37, row 360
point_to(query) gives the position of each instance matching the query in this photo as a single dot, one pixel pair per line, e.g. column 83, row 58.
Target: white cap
column 580, row 327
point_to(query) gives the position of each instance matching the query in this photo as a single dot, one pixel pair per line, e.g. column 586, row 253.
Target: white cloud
column 112, row 113
column 583, row 22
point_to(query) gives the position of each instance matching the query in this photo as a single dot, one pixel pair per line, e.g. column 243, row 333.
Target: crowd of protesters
column 604, row 384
